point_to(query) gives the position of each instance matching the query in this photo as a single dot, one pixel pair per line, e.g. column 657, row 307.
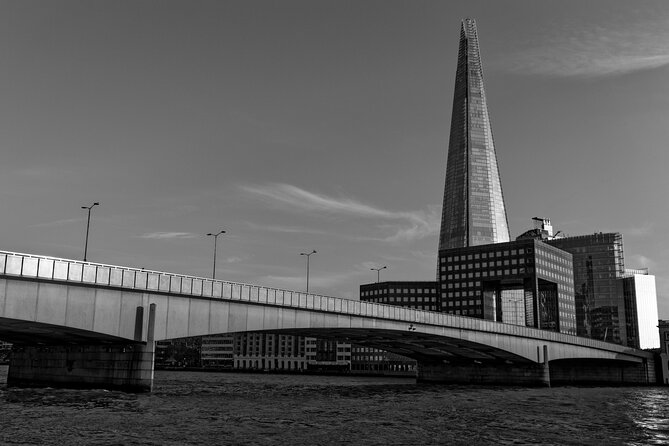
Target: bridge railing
column 89, row 273
column 76, row 271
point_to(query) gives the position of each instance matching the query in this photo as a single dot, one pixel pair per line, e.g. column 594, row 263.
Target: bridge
column 83, row 324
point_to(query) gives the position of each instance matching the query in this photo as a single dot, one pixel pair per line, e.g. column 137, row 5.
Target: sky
column 321, row 125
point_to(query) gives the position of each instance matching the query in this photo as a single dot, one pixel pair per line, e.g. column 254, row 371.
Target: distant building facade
column 420, row 295
column 275, row 352
column 218, row 351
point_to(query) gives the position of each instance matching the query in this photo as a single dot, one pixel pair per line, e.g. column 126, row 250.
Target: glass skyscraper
column 473, row 209
column 598, row 267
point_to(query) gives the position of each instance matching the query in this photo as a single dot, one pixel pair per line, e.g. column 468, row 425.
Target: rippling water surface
column 193, row 408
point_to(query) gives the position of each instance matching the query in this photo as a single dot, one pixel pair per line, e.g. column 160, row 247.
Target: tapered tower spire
column 473, row 211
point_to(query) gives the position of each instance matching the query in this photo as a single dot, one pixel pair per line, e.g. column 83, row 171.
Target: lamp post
column 308, row 254
column 213, row 272
column 378, row 272
column 88, row 225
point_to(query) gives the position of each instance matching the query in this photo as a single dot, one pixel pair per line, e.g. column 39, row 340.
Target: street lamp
column 378, row 273
column 308, row 254
column 88, row 225
column 213, row 273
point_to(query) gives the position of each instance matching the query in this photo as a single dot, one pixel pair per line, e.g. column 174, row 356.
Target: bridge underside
column 38, row 333
column 418, row 346
column 50, row 355
column 458, row 361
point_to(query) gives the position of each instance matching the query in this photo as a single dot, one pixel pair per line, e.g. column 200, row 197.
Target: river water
column 196, row 408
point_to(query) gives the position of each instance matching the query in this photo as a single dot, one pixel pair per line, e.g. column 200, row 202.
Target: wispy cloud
column 168, row 235
column 283, row 229
column 586, row 50
column 56, row 223
column 401, row 225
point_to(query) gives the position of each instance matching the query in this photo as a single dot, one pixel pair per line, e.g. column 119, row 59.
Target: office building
column 217, row 351
column 279, row 352
column 266, row 351
column 663, row 327
column 641, row 317
column 613, row 303
column 525, row 282
column 421, row 295
column 599, row 266
column 328, row 355
column 473, row 211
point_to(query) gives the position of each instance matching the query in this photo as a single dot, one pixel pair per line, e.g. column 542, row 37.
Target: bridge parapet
column 44, row 268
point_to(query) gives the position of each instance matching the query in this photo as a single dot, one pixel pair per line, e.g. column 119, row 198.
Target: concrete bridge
column 82, row 324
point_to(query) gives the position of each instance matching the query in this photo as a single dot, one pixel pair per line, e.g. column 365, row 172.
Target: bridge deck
column 43, row 268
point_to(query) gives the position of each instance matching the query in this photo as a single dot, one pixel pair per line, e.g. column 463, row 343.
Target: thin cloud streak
column 56, row 223
column 283, row 229
column 168, row 235
column 408, row 226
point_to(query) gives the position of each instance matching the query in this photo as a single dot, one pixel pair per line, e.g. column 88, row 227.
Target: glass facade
column 525, row 282
column 473, row 209
column 598, row 268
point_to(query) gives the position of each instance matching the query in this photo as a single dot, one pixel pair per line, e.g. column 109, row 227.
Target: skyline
column 321, row 125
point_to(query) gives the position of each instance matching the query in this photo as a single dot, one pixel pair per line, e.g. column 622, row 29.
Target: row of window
column 491, row 273
column 399, row 291
column 485, row 255
column 490, row 264
column 467, row 312
column 405, row 299
column 470, row 302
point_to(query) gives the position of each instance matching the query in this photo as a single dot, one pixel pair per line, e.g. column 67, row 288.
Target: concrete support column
column 603, row 372
column 123, row 366
column 485, row 373
column 116, row 367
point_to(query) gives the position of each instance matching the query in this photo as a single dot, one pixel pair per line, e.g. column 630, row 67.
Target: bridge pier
column 116, row 367
column 603, row 372
column 485, row 373
column 125, row 366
